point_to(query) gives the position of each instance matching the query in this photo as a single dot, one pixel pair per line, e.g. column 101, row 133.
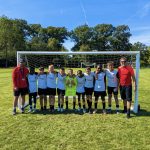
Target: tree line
column 18, row 35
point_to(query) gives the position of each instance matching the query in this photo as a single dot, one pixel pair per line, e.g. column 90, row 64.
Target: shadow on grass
column 142, row 112
column 48, row 112
column 69, row 111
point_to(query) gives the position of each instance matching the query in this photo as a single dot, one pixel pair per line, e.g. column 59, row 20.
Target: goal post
column 77, row 59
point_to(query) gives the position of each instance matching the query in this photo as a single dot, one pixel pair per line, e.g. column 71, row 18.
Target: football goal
column 79, row 60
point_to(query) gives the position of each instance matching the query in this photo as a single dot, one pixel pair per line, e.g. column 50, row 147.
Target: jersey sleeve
column 131, row 71
column 14, row 78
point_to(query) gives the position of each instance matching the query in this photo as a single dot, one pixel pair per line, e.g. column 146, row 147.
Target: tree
column 6, row 38
column 120, row 40
column 102, row 36
column 82, row 36
column 144, row 52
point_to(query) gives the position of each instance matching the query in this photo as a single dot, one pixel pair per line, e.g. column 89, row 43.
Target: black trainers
column 90, row 111
column 128, row 116
column 22, row 110
column 109, row 111
column 124, row 111
column 14, row 112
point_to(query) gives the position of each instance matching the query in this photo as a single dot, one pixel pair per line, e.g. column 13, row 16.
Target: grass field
column 73, row 131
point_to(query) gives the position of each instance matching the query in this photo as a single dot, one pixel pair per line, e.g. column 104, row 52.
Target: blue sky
column 72, row 13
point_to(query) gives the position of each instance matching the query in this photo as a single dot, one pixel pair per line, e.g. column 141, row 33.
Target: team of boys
column 82, row 85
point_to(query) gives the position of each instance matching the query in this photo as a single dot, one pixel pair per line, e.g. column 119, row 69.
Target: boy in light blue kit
column 42, row 87
column 80, row 91
column 100, row 87
column 32, row 81
column 112, row 77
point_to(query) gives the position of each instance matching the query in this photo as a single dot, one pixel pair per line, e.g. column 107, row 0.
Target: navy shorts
column 78, row 94
column 97, row 93
column 33, row 94
column 111, row 90
column 88, row 91
column 126, row 92
column 21, row 91
column 61, row 92
column 51, row 91
column 42, row 91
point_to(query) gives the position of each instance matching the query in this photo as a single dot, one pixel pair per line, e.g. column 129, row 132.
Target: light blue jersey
column 51, row 80
column 100, row 82
column 112, row 78
column 80, row 84
column 89, row 80
column 61, row 81
column 32, row 80
column 42, row 81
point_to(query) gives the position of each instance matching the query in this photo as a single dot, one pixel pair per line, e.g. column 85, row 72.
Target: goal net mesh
column 74, row 61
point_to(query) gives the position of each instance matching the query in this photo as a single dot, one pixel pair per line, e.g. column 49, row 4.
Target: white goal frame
column 137, row 65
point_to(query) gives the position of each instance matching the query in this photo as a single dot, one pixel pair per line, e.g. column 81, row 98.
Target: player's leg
column 34, row 101
column 90, row 103
column 109, row 103
column 123, row 96
column 22, row 103
column 95, row 104
column 30, row 102
column 45, row 101
column 129, row 99
column 87, row 96
column 53, row 99
column 79, row 101
column 96, row 95
column 110, row 91
column 41, row 102
column 23, row 93
column 59, row 101
column 116, row 101
column 74, row 102
column 62, row 103
column 15, row 102
column 50, row 105
column 103, row 103
column 83, row 101
column 66, row 100
column 52, row 102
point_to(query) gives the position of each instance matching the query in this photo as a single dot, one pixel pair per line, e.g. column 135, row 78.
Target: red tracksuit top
column 19, row 77
column 125, row 73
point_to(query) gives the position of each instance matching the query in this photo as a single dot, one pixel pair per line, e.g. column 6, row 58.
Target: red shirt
column 19, row 77
column 125, row 73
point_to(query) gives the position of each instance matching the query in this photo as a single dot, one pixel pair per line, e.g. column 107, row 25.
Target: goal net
column 80, row 60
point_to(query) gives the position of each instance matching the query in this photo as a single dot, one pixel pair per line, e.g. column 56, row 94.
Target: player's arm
column 133, row 78
column 14, row 78
column 67, row 81
column 105, row 81
column 134, row 82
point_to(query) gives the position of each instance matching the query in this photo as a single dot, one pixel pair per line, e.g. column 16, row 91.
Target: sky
column 73, row 13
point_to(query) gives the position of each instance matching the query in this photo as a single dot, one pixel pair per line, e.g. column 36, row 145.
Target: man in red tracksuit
column 20, row 84
column 126, row 76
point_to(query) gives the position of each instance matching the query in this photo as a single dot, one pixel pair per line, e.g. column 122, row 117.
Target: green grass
column 73, row 131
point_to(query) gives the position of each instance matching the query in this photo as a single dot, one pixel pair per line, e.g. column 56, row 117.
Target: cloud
column 140, row 28
column 143, row 38
column 145, row 10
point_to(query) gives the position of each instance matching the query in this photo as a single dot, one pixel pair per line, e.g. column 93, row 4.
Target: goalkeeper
column 71, row 87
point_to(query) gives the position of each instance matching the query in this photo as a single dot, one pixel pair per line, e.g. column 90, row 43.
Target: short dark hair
column 41, row 68
column 123, row 58
column 21, row 61
column 110, row 63
column 62, row 68
column 88, row 68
